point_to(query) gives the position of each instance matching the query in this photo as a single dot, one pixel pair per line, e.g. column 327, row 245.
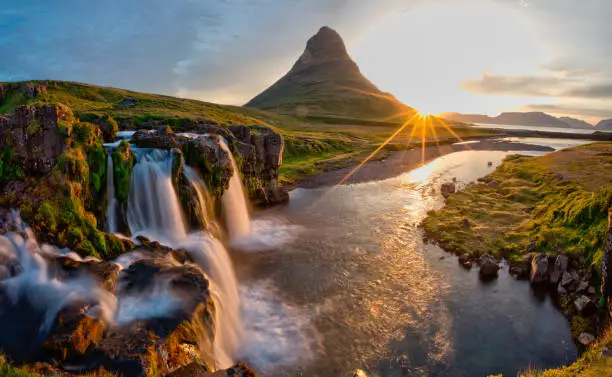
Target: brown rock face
column 36, row 135
column 261, row 155
column 28, row 90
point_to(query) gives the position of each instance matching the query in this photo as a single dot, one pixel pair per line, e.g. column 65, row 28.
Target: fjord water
column 375, row 296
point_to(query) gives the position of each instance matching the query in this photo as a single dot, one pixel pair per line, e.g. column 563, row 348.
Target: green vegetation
column 123, row 161
column 556, row 204
column 9, row 168
column 33, row 127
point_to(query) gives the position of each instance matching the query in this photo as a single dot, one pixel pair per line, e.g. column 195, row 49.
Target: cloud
column 539, row 86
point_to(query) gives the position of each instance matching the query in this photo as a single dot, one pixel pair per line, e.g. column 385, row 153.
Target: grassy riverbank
column 556, row 204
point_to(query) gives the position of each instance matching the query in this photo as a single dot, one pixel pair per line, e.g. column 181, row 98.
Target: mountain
column 576, row 123
column 520, row 119
column 604, row 125
column 325, row 81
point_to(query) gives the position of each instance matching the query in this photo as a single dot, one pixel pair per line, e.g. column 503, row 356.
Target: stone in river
column 488, row 266
column 586, row 339
column 539, row 269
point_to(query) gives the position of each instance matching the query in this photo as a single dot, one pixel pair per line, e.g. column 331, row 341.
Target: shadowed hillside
column 325, row 81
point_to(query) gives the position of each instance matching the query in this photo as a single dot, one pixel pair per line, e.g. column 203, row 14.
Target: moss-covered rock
column 206, row 154
column 123, row 162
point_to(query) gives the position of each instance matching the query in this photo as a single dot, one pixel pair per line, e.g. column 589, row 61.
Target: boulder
column 519, row 270
column 448, row 188
column 567, row 279
column 586, row 339
column 489, row 266
column 464, row 261
column 558, row 268
column 36, row 136
column 582, row 287
column 539, row 269
column 161, row 139
column 584, row 305
column 212, row 160
column 127, row 102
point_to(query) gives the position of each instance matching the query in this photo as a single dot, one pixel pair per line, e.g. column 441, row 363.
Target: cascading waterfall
column 235, row 210
column 155, row 212
column 153, row 208
column 111, row 206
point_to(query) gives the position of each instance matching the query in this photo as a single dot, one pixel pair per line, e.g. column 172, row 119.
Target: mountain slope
column 520, row 119
column 325, row 81
column 604, row 125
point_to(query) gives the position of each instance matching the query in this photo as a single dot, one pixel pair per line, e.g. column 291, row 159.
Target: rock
column 493, row 183
column 519, row 270
column 539, row 269
column 586, row 339
column 161, row 139
column 591, row 290
column 106, row 273
column 190, row 370
column 36, row 135
column 108, row 127
column 29, row 89
column 464, row 261
column 606, row 266
column 582, row 287
column 212, row 160
column 447, row 189
column 127, row 102
column 584, row 305
column 559, row 267
column 567, row 279
column 73, row 332
column 489, row 266
column 561, row 290
column 606, row 352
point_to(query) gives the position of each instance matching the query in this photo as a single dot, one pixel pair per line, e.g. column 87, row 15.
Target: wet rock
column 161, row 139
column 74, row 331
column 489, row 266
column 190, row 370
column 586, row 339
column 558, row 268
column 213, row 162
column 464, row 261
column 448, row 188
column 567, row 279
column 106, row 273
column 36, row 135
column 539, row 269
column 519, row 271
column 582, row 287
column 584, row 305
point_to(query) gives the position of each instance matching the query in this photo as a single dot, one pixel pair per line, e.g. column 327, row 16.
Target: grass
column 313, row 144
column 556, row 203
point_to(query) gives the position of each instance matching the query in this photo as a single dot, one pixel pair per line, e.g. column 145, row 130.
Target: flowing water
column 359, row 289
column 111, row 206
column 234, row 203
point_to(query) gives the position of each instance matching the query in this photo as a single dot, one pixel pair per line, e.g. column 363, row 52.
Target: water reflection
column 383, row 301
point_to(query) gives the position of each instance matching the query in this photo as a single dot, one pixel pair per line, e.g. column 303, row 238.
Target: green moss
column 47, row 216
column 9, row 167
column 33, row 127
column 123, row 161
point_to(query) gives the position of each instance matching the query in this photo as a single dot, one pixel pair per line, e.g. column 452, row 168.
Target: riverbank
column 548, row 217
column 405, row 160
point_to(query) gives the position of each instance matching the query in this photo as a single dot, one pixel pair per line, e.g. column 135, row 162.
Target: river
column 351, row 285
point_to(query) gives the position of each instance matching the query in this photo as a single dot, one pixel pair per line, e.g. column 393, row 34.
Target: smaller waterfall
column 235, row 210
column 111, row 206
column 199, row 187
column 153, row 208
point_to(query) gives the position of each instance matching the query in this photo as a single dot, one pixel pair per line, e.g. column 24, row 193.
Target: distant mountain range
column 521, row 119
column 604, row 125
column 325, row 81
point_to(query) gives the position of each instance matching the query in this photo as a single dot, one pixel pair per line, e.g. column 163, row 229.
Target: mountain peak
column 326, row 45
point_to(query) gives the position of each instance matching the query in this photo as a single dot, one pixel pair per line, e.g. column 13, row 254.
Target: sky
column 470, row 56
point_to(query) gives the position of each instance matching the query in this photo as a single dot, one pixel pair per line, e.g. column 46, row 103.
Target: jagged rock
column 29, row 90
column 567, row 279
column 561, row 290
column 586, row 339
column 106, row 273
column 560, row 266
column 489, row 266
column 464, row 261
column 447, row 189
column 582, row 286
column 520, row 271
column 539, row 269
column 584, row 305
column 36, row 136
column 591, row 290
column 212, row 160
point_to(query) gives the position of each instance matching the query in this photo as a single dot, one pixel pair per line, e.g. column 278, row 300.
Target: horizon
column 433, row 56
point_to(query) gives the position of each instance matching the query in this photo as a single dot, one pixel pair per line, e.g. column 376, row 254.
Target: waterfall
column 155, row 212
column 153, row 208
column 111, row 206
column 198, row 186
column 235, row 210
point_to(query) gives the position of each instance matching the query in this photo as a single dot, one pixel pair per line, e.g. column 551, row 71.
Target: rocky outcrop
column 28, row 90
column 261, row 155
column 108, row 126
column 161, row 138
column 35, row 136
column 447, row 189
column 539, row 269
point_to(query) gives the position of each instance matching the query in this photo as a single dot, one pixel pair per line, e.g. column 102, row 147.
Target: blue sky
column 444, row 55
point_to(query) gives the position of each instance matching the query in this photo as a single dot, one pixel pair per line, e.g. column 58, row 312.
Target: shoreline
column 400, row 162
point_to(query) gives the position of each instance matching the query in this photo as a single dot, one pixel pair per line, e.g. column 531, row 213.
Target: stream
column 351, row 286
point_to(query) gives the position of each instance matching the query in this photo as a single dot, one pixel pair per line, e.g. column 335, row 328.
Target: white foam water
column 267, row 234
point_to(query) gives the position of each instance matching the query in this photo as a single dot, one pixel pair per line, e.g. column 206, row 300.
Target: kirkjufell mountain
column 325, row 81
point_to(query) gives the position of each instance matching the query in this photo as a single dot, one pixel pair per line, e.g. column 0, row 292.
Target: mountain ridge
column 325, row 81
column 534, row 118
